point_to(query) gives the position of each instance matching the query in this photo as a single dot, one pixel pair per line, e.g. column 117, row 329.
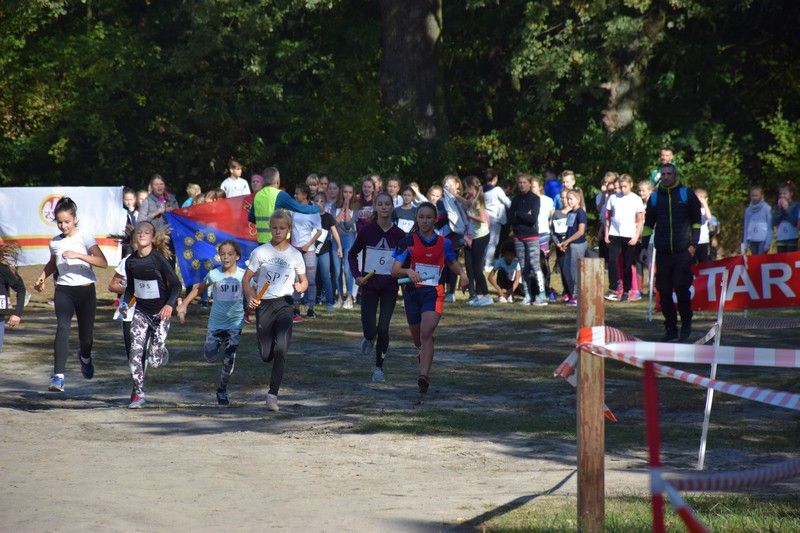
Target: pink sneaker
column 634, row 296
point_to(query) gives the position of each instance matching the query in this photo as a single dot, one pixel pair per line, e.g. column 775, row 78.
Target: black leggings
column 475, row 257
column 69, row 301
column 274, row 328
column 371, row 303
column 619, row 246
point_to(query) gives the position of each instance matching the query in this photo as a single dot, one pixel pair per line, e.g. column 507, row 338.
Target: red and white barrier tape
column 708, row 336
column 723, row 481
column 771, row 397
column 692, row 523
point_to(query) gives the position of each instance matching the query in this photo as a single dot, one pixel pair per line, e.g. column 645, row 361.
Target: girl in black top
column 153, row 281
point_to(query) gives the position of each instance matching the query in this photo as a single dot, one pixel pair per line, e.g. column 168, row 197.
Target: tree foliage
column 112, row 91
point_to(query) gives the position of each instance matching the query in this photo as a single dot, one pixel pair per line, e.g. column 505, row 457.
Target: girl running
column 73, row 253
column 375, row 244
column 421, row 256
column 9, row 279
column 574, row 245
column 279, row 271
column 152, row 280
column 227, row 312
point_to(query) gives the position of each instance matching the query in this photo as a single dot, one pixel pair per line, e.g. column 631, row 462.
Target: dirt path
column 82, row 461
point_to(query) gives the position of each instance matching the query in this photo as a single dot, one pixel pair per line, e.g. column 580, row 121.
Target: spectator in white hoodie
column 496, row 204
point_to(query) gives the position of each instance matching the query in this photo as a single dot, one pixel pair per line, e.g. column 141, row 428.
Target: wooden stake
column 591, row 398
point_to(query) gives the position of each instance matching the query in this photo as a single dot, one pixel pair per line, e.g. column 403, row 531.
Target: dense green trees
column 112, row 91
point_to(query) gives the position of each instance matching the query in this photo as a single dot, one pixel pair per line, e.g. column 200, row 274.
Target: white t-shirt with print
column 235, row 187
column 73, row 272
column 622, row 211
column 280, row 268
column 304, row 227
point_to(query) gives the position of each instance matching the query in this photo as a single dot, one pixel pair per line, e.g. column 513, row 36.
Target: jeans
column 310, row 296
column 494, row 238
column 2, row 332
column 324, row 269
column 619, row 247
column 338, row 264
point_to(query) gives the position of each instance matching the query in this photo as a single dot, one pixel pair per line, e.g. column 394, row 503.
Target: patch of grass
column 730, row 513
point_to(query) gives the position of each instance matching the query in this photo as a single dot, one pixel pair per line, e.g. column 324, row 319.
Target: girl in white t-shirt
column 73, row 253
column 623, row 227
column 279, row 271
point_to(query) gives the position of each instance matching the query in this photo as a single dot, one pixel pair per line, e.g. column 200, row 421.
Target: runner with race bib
column 419, row 256
column 279, row 270
column 375, row 243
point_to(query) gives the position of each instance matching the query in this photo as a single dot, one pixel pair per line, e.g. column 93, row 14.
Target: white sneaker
column 272, row 403
column 348, row 303
column 502, row 300
column 483, row 301
column 377, row 375
column 526, row 301
column 450, row 298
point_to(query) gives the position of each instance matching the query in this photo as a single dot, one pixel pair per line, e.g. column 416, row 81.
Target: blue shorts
column 418, row 300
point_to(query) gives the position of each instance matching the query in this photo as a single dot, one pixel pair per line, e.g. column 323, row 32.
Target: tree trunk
column 410, row 82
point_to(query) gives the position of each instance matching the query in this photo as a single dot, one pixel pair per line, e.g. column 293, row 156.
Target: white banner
column 26, row 216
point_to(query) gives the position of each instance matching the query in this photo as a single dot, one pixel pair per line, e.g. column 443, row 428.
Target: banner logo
column 47, row 209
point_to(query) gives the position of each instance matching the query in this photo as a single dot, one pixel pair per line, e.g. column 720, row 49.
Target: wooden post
column 591, row 398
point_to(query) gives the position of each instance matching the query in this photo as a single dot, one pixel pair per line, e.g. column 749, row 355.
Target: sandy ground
column 81, row 461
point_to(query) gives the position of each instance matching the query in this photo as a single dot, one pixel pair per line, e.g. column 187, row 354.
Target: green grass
column 729, row 513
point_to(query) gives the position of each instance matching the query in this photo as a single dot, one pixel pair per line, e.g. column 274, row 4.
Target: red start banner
column 770, row 280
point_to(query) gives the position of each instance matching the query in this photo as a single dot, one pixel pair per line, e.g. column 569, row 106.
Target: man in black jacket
column 673, row 211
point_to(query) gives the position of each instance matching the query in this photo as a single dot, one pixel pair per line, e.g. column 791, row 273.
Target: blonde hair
column 193, row 189
column 626, row 178
column 312, row 179
column 160, row 238
column 282, row 214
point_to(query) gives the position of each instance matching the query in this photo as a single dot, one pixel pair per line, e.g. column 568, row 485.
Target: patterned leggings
column 527, row 253
column 148, row 338
column 228, row 340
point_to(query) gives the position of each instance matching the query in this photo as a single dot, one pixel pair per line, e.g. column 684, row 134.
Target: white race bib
column 378, row 260
column 428, row 271
column 3, row 302
column 786, row 231
column 146, row 289
column 405, row 224
column 560, row 225
column 228, row 291
column 280, row 278
column 757, row 231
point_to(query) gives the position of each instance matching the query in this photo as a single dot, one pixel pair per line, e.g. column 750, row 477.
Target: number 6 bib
column 378, row 260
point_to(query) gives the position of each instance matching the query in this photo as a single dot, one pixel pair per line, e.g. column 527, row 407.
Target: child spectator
column 546, row 210
column 575, row 243
column 312, row 180
column 475, row 252
column 193, row 190
column 325, row 250
column 393, row 187
column 346, row 226
column 407, row 212
column 305, row 231
column 622, row 229
column 234, row 185
column 497, row 203
column 256, row 183
column 708, row 226
column 506, row 274
column 558, row 227
column 757, row 233
column 645, row 189
column 785, row 218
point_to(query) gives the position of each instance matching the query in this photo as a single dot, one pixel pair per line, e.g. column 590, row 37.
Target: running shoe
column 510, row 298
column 423, row 384
column 450, row 298
column 540, row 300
column 377, row 375
column 338, row 304
column 552, row 297
column 572, row 302
column 502, row 300
column 526, row 301
column 310, row 313
column 472, row 300
column 634, row 296
column 87, row 368
column 483, row 301
column 222, row 397
column 56, row 384
column 272, row 403
column 137, row 401
column 565, row 298
column 348, row 303
column 297, row 317
column 367, row 347
column 612, row 296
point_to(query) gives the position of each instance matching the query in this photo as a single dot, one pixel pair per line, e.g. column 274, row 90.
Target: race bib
column 428, row 271
column 3, row 302
column 560, row 225
column 378, row 260
column 757, row 232
column 786, row 231
column 280, row 278
column 405, row 224
column 228, row 292
column 146, row 289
